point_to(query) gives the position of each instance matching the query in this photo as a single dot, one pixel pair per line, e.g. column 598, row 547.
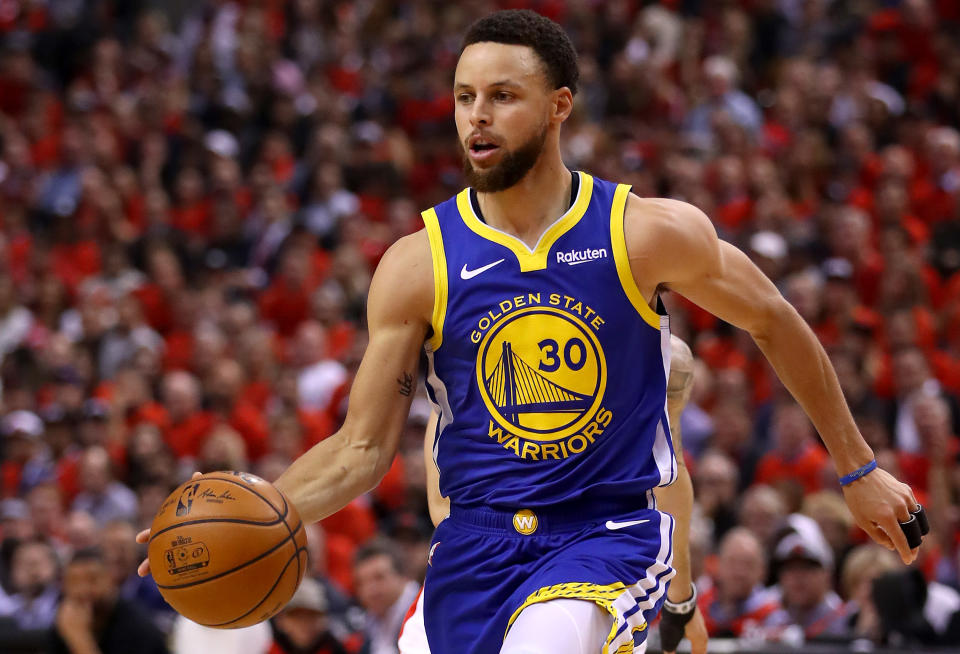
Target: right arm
column 329, row 475
column 354, row 460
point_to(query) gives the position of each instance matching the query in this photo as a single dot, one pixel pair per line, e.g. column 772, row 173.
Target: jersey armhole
column 440, row 289
column 622, row 261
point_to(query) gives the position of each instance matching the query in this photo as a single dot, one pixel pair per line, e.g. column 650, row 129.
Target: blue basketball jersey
column 547, row 366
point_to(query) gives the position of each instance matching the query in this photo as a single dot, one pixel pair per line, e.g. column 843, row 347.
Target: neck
column 536, row 201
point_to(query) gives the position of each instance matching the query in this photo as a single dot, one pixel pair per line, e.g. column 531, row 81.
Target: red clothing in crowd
column 156, row 307
column 185, row 438
column 339, row 559
column 178, row 353
column 74, row 262
column 193, row 219
column 807, row 468
column 285, row 305
column 316, row 426
column 355, row 521
column 252, row 426
column 256, row 393
column 754, row 610
column 10, row 478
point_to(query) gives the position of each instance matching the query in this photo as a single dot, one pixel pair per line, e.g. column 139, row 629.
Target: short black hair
column 380, row 547
column 542, row 35
column 92, row 554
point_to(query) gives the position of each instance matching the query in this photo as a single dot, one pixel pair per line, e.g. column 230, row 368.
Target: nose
column 480, row 113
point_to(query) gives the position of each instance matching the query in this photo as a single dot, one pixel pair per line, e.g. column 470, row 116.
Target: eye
column 503, row 96
column 465, row 98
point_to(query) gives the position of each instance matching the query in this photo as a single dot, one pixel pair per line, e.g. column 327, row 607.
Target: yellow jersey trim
column 440, row 291
column 602, row 596
column 622, row 260
column 535, row 259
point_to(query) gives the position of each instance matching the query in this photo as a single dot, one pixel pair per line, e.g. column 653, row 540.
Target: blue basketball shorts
column 486, row 566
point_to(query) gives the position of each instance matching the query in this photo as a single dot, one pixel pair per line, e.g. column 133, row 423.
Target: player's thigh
column 559, row 626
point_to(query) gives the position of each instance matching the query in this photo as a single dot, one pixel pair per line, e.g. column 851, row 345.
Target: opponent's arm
column 439, row 505
column 355, row 459
column 674, row 243
column 677, row 500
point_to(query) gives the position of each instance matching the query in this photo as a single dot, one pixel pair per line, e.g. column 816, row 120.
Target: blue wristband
column 858, row 473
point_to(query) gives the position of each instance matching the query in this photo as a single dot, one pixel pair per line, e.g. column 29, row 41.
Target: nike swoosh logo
column 611, row 525
column 470, row 274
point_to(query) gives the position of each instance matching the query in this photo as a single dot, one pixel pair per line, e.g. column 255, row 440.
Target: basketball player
column 675, row 499
column 535, row 292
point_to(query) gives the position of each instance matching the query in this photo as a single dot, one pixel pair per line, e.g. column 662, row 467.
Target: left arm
column 438, row 504
column 677, row 499
column 674, row 244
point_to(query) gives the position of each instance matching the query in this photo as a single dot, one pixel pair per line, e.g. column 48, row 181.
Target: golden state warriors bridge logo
column 542, row 374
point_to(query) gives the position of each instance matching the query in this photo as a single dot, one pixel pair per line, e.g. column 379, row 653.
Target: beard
column 513, row 166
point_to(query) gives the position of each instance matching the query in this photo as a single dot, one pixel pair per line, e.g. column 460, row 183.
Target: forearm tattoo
column 406, row 384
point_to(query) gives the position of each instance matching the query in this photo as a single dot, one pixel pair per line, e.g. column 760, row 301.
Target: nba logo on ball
column 227, row 550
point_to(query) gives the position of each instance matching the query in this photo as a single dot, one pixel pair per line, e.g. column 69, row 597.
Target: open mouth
column 481, row 148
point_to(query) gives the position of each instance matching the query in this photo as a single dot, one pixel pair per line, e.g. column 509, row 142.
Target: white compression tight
column 559, row 626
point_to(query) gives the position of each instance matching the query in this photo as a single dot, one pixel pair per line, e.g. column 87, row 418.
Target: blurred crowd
column 194, row 195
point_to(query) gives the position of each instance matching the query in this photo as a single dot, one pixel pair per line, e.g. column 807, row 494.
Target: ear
column 562, row 105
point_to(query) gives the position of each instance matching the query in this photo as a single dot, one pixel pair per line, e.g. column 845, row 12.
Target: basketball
column 227, row 550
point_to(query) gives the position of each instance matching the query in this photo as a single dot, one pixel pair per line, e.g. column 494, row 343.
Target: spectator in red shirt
column 797, row 458
column 931, row 416
column 736, row 601
column 188, row 424
column 192, row 211
column 935, row 199
column 319, row 376
column 328, row 306
column 224, row 388
column 286, row 302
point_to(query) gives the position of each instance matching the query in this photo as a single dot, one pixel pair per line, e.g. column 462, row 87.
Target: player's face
column 503, row 104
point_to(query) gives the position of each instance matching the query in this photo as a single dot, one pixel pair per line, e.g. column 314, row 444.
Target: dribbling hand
column 144, row 537
column 879, row 503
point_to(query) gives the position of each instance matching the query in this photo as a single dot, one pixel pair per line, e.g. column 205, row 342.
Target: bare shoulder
column 657, row 220
column 662, row 235
column 403, row 282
